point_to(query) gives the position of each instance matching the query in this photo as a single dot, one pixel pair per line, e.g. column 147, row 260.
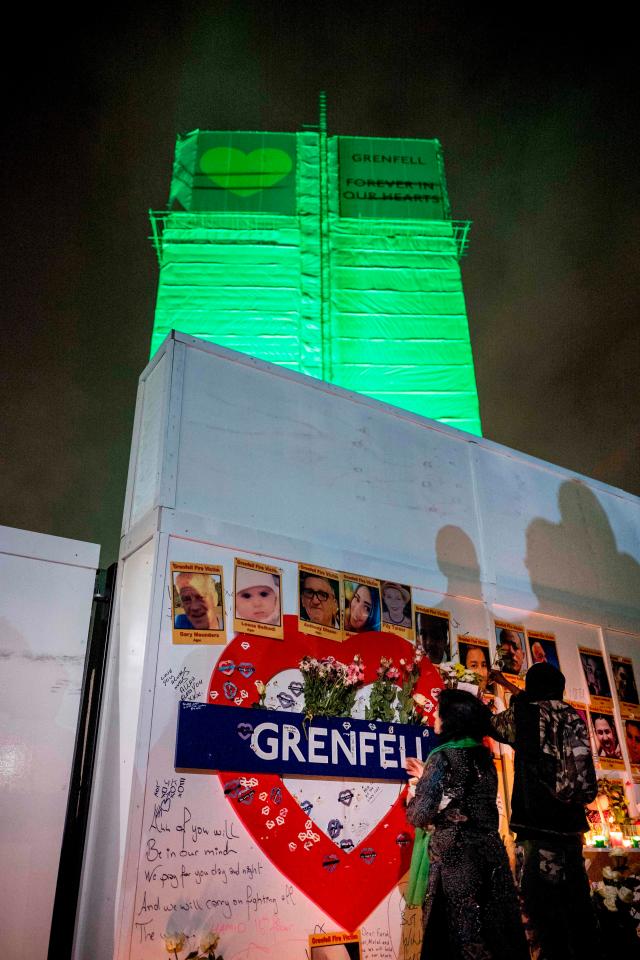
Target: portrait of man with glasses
column 319, row 599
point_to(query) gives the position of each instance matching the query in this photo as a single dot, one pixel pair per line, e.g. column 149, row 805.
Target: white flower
column 209, row 941
column 420, row 699
column 625, row 894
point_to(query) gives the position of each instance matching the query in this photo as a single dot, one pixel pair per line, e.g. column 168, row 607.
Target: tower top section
column 333, row 256
column 249, row 172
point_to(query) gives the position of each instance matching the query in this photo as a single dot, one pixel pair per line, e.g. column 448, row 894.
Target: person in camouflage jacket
column 554, row 778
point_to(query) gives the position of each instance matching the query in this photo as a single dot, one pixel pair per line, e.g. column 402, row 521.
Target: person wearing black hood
column 554, row 778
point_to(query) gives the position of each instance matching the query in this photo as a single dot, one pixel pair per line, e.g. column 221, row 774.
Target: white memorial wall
column 236, row 459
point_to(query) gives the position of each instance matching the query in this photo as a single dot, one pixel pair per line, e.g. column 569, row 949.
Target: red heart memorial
column 347, row 879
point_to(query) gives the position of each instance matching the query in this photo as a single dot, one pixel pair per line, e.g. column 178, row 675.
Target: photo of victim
column 197, row 607
column 257, row 599
column 433, row 633
column 475, row 657
column 632, row 736
column 624, row 680
column 396, row 604
column 510, row 648
column 606, row 736
column 319, row 601
column 197, row 601
column 595, row 673
column 361, row 605
column 543, row 649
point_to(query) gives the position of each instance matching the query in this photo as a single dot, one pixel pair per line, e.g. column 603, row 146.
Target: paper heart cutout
column 245, row 173
column 244, row 730
column 346, row 883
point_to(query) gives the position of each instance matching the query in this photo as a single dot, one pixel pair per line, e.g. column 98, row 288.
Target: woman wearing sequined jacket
column 470, row 907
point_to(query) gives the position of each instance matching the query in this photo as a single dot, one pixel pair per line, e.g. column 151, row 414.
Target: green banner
column 392, row 179
column 235, row 172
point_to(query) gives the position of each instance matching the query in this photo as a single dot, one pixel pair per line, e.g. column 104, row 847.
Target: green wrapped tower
column 333, row 256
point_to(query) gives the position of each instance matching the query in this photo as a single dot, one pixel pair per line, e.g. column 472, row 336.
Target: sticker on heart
column 245, row 173
column 343, row 844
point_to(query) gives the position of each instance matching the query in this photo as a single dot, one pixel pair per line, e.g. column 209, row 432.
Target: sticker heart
column 245, row 173
column 344, row 844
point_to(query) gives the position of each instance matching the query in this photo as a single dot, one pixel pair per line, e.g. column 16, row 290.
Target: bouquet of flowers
column 383, row 692
column 454, row 674
column 330, row 686
column 611, row 800
column 406, row 705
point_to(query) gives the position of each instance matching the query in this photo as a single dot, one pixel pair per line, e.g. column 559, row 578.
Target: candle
column 598, row 840
column 616, row 838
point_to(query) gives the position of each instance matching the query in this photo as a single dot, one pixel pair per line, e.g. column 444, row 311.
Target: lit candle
column 616, row 838
column 598, row 840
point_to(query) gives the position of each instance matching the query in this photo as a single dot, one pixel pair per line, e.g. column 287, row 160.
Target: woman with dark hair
column 363, row 612
column 459, row 870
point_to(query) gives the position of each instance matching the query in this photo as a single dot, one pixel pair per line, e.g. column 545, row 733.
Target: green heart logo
column 245, row 173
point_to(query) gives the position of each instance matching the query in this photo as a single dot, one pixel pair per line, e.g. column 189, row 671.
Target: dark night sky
column 538, row 119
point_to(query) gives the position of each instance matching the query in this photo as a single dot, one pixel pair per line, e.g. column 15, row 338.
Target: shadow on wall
column 458, row 562
column 575, row 566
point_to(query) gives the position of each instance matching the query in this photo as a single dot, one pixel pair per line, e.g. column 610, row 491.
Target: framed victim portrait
column 362, row 604
column 397, row 611
column 595, row 675
column 511, row 654
column 624, row 679
column 607, row 740
column 473, row 653
column 632, row 738
column 257, row 607
column 197, row 608
column 319, row 601
column 433, row 633
column 542, row 648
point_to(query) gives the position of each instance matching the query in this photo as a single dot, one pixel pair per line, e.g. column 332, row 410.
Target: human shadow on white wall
column 458, row 562
column 575, row 566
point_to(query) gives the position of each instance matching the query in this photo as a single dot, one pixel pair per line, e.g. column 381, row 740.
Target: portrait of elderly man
column 511, row 651
column 319, row 600
column 199, row 600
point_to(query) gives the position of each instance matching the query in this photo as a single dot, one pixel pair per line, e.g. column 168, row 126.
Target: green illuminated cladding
column 363, row 291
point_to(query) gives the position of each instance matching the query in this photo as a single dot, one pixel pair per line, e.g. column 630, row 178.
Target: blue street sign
column 212, row 737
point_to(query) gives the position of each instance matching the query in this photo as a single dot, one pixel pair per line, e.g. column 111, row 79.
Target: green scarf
column 420, row 863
